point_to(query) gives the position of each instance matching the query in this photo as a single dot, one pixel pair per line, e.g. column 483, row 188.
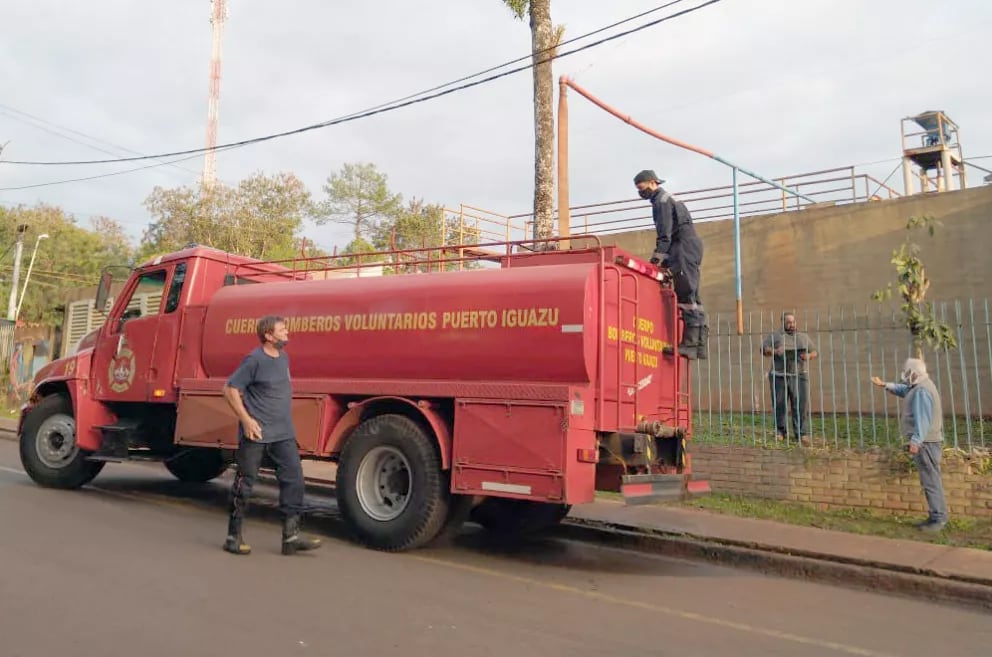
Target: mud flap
column 647, row 489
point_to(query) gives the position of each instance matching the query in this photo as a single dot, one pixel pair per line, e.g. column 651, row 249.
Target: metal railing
column 734, row 400
column 828, row 187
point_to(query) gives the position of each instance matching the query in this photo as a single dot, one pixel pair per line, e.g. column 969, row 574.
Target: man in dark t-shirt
column 790, row 351
column 261, row 395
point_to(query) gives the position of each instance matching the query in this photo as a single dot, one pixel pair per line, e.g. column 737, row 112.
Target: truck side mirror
column 103, row 291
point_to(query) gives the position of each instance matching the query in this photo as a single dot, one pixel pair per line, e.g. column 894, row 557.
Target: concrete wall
column 877, row 480
column 835, row 255
column 825, row 263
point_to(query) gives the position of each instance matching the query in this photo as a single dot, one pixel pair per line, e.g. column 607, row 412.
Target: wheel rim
column 384, row 483
column 55, row 441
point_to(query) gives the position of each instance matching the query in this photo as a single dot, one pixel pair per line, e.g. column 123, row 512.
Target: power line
column 528, row 56
column 33, row 121
column 380, row 109
column 102, row 175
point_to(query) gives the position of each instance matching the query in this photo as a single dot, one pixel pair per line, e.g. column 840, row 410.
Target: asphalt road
column 132, row 565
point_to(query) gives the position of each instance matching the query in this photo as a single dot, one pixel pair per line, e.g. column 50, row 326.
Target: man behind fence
column 790, row 350
column 922, row 423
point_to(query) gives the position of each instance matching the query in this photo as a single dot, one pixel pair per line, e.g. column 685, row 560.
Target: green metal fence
column 734, row 400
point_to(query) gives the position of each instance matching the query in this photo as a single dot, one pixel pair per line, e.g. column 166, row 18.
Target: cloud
column 779, row 86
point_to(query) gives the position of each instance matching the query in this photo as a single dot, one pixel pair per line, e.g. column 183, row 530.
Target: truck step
column 116, row 441
column 648, row 489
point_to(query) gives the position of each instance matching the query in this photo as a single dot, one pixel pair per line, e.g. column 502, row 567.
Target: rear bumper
column 647, row 489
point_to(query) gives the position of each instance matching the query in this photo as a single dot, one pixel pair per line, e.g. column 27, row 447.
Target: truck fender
column 359, row 411
column 88, row 413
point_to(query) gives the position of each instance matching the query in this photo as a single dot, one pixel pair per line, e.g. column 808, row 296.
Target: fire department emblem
column 121, row 371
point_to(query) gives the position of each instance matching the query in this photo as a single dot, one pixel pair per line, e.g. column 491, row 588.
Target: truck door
column 161, row 385
column 123, row 360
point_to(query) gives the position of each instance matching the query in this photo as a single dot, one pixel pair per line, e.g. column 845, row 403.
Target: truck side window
column 146, row 299
column 176, row 288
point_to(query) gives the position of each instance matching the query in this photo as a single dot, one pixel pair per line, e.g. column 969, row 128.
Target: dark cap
column 647, row 176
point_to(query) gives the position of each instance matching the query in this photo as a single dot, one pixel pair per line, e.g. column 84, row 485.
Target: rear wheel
column 49, row 452
column 392, row 492
column 518, row 518
column 197, row 464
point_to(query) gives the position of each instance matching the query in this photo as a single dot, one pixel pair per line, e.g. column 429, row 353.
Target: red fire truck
column 505, row 392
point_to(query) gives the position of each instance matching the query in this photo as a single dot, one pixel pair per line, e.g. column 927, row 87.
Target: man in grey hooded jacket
column 921, row 423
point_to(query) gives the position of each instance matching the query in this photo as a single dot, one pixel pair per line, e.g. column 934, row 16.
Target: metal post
column 737, row 256
column 19, row 249
column 27, row 277
column 948, row 169
column 564, row 215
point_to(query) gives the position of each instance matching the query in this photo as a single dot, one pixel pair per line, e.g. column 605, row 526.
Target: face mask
column 907, row 377
column 645, row 193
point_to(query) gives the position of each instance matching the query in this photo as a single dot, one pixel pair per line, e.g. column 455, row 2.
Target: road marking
column 647, row 606
column 13, row 471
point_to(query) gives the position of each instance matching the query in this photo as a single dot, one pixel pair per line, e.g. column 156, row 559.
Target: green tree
column 359, row 195
column 545, row 38
column 261, row 217
column 912, row 283
column 71, row 257
column 427, row 227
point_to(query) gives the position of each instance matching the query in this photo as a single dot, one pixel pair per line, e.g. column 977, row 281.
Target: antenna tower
column 218, row 14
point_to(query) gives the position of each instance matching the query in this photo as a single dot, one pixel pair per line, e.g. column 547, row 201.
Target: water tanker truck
column 505, row 392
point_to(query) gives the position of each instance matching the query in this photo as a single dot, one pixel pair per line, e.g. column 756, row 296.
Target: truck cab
column 121, row 386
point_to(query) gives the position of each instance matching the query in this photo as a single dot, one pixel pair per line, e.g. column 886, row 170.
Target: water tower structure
column 931, row 153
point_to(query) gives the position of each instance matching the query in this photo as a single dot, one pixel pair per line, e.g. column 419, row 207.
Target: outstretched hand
column 877, row 381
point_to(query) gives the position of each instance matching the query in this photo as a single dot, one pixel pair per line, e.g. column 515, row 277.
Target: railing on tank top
column 424, row 260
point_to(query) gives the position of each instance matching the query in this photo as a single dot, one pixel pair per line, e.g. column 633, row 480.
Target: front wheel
column 392, row 492
column 49, row 452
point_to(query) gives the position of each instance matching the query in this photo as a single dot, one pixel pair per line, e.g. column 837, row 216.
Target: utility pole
column 19, row 249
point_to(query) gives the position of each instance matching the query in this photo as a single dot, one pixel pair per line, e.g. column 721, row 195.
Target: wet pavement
column 132, row 565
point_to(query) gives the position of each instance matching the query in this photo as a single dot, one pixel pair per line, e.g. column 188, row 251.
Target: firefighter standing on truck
column 679, row 249
column 261, row 394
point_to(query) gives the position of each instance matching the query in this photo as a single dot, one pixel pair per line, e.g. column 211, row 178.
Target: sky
column 778, row 86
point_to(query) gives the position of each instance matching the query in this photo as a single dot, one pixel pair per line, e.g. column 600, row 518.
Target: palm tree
column 544, row 41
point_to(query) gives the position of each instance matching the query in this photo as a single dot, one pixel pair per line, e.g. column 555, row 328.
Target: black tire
column 197, row 465
column 48, row 446
column 385, row 456
column 509, row 518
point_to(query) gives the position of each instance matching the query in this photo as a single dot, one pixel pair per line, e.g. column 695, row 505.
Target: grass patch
column 960, row 532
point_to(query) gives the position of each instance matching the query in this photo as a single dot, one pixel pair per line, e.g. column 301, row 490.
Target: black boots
column 704, row 336
column 292, row 540
column 234, row 543
column 694, row 336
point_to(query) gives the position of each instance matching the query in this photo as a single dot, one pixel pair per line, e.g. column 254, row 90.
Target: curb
column 875, row 577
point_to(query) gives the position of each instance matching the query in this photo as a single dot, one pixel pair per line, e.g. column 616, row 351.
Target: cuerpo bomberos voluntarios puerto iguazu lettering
column 419, row 321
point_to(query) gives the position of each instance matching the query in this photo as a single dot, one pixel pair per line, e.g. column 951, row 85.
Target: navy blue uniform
column 678, row 246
